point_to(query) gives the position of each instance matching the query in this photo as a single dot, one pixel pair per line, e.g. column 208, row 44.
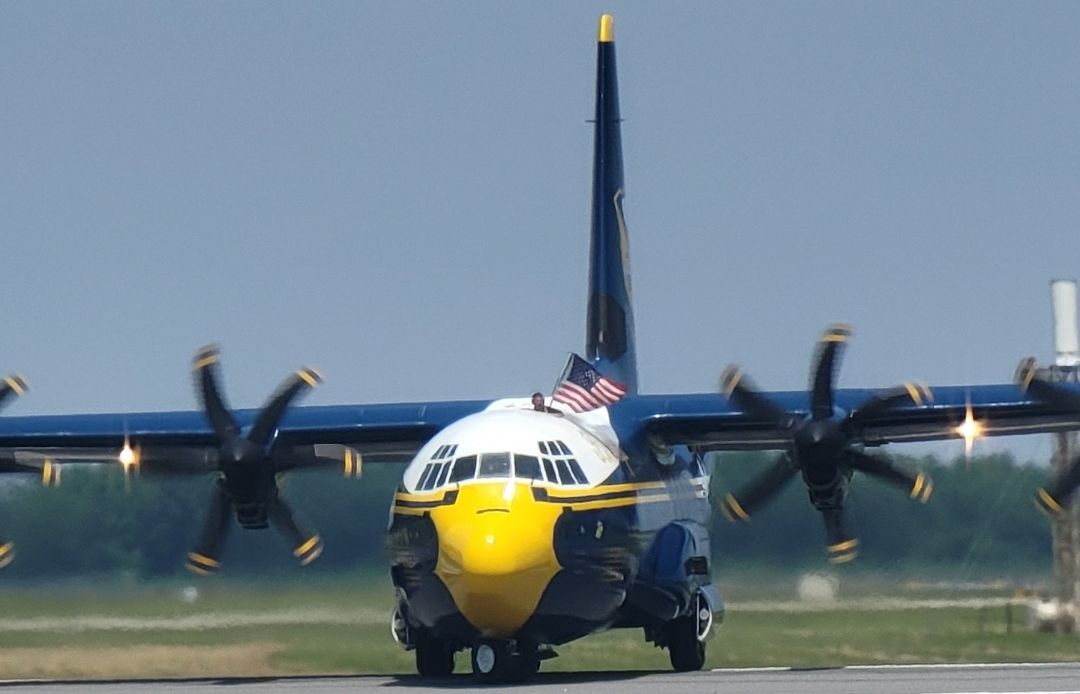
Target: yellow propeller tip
column 17, row 383
column 205, row 356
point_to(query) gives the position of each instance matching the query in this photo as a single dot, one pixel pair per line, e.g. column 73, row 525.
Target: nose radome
column 496, row 543
column 496, row 556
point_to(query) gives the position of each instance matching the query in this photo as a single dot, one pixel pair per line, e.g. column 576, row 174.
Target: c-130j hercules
column 515, row 530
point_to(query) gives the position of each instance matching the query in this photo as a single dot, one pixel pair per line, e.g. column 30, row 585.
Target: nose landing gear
column 505, row 661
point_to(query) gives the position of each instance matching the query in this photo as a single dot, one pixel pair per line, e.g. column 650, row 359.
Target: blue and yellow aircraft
column 517, row 526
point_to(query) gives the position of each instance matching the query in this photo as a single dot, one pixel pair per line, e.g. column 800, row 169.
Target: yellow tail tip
column 607, row 28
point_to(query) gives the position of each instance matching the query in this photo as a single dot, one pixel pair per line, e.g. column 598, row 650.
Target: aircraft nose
column 496, row 556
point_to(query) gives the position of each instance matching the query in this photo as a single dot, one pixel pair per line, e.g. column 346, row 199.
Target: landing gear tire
column 434, row 657
column 495, row 661
column 686, row 651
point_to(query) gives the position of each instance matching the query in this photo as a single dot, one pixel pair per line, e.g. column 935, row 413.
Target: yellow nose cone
column 496, row 554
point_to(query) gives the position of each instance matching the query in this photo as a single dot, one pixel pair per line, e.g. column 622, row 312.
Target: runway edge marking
column 906, row 666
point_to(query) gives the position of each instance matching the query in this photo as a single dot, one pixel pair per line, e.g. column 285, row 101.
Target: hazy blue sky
column 398, row 193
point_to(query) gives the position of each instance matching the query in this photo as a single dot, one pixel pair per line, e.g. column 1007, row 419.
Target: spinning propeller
column 249, row 466
column 12, row 386
column 824, row 446
column 1054, row 497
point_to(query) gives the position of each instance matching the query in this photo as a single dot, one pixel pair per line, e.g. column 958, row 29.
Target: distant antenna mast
column 1066, row 527
column 1066, row 342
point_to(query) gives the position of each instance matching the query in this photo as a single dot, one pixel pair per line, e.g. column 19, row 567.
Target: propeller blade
column 918, row 485
column 1055, row 497
column 12, row 386
column 1054, row 395
column 826, row 448
column 204, row 559
column 306, row 546
column 766, row 485
column 269, row 417
column 738, row 388
column 841, row 546
column 829, row 351
column 217, row 413
column 1028, row 379
column 7, row 552
column 910, row 393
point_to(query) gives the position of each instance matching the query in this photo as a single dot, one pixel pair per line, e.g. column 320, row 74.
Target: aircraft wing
column 184, row 442
column 712, row 422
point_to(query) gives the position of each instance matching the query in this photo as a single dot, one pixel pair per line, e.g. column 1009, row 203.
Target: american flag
column 583, row 388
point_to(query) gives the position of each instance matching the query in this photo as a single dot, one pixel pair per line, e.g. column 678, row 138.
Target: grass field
column 340, row 625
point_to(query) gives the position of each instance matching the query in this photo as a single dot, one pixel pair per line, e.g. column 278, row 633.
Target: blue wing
column 708, row 420
column 382, row 432
column 712, row 422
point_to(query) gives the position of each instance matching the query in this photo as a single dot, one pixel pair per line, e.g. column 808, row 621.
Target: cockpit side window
column 577, row 472
column 442, row 475
column 495, row 465
column 424, row 475
column 527, row 466
column 429, row 483
column 564, row 472
column 549, row 471
column 464, row 468
column 564, row 448
column 543, row 447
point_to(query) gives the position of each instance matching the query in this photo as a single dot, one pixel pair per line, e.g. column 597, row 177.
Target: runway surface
column 1038, row 678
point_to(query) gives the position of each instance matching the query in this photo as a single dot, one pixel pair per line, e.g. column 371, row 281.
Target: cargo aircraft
column 517, row 527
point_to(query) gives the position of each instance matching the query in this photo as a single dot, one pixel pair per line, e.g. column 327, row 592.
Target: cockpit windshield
column 464, row 468
column 495, row 465
column 558, row 469
column 527, row 466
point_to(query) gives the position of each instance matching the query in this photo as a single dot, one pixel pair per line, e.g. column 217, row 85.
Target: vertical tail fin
column 610, row 343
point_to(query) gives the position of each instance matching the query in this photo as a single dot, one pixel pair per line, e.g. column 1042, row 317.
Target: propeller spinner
column 824, row 445
column 248, row 466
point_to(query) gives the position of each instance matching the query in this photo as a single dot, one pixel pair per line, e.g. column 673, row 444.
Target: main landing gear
column 686, row 651
column 684, row 637
column 434, row 657
column 506, row 661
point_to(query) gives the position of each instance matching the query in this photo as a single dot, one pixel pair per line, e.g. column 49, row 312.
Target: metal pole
column 1066, row 527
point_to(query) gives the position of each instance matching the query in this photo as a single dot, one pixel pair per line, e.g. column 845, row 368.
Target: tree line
column 979, row 518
